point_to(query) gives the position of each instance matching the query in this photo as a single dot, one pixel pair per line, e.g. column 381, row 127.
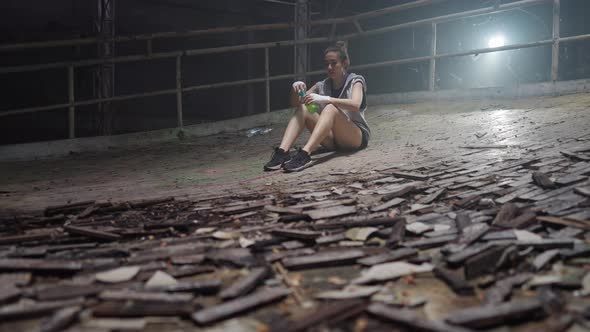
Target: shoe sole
column 273, row 168
column 300, row 168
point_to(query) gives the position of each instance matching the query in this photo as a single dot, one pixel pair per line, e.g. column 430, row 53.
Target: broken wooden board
column 389, row 204
column 233, row 307
column 391, row 256
column 27, row 237
column 433, row 196
column 321, row 259
column 397, row 235
column 39, row 265
column 410, row 319
column 400, row 190
column 140, row 309
column 331, row 212
column 246, row 284
column 60, row 320
column 205, row 287
column 393, row 270
column 502, row 289
column 410, row 175
column 483, row 263
column 129, row 295
column 329, row 312
column 505, row 215
column 472, row 233
column 9, row 293
column 494, row 315
column 30, row 310
column 564, row 222
column 542, row 180
column 62, row 292
column 92, row 233
column 456, row 283
column 296, row 234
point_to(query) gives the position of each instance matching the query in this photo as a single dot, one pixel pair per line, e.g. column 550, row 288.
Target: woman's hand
column 299, row 86
column 317, row 99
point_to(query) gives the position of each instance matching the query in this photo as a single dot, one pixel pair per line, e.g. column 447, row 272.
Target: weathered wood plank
column 456, row 283
column 331, row 212
column 328, row 258
column 391, row 256
column 39, row 265
column 410, row 319
column 489, row 316
column 92, row 233
column 246, row 284
column 233, row 307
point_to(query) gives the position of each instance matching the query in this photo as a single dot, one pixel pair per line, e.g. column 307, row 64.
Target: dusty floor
column 231, row 165
column 228, row 163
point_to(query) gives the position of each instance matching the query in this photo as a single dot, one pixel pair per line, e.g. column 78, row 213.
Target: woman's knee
column 330, row 110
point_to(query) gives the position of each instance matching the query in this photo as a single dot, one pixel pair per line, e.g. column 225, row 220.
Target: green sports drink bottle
column 311, row 108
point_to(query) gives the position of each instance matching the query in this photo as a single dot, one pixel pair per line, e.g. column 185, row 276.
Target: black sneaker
column 278, row 158
column 299, row 162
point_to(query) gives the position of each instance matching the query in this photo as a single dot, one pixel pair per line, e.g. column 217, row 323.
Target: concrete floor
column 231, row 163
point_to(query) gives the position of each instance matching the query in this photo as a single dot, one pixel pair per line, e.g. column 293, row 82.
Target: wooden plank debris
column 397, row 235
column 456, row 283
column 410, row 319
column 152, row 296
column 39, row 265
column 410, row 175
column 503, row 288
column 60, row 320
column 505, row 215
column 233, row 307
column 331, row 212
column 128, row 309
column 542, row 180
column 245, row 285
column 327, row 258
column 296, row 234
column 400, row 191
column 490, row 316
column 331, row 312
column 389, row 204
column 433, row 197
column 9, row 293
column 28, row 311
column 96, row 234
column 395, row 255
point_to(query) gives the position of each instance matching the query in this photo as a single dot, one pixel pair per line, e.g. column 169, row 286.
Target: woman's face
column 334, row 66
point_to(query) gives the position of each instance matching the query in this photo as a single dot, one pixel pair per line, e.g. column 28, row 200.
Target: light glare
column 497, row 41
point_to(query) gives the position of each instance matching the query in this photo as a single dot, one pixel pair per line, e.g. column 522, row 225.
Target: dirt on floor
column 232, row 162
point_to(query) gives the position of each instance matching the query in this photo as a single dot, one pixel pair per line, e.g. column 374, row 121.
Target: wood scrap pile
column 501, row 241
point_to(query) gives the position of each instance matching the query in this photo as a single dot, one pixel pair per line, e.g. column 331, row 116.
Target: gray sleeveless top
column 358, row 118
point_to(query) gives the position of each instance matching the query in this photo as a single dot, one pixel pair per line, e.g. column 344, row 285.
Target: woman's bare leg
column 302, row 119
column 334, row 127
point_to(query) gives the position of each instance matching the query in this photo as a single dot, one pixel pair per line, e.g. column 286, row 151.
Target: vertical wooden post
column 555, row 48
column 301, row 17
column 71, row 100
column 179, row 91
column 267, row 79
column 432, row 76
column 149, row 46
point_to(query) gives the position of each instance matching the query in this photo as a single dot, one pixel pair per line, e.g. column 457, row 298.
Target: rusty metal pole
column 179, row 91
column 72, row 100
column 432, row 76
column 301, row 16
column 555, row 48
column 267, row 78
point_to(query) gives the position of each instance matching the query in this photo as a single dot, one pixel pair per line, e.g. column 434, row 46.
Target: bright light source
column 496, row 41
